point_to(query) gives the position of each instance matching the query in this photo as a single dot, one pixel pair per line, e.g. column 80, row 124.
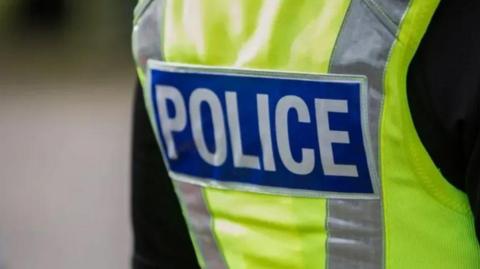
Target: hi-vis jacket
column 286, row 130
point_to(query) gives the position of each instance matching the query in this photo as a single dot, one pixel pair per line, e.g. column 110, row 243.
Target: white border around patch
column 200, row 69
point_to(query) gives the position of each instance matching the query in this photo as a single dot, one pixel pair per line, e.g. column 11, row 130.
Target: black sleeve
column 160, row 233
column 444, row 95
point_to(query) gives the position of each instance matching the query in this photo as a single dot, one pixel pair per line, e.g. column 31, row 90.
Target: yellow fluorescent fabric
column 263, row 231
column 285, row 35
column 266, row 231
column 428, row 222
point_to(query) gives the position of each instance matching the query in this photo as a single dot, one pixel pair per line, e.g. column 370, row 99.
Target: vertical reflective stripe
column 200, row 223
column 355, row 234
column 394, row 9
column 147, row 33
column 355, row 227
column 362, row 48
column 147, row 43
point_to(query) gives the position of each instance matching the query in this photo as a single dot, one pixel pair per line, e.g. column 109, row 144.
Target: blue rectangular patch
column 270, row 132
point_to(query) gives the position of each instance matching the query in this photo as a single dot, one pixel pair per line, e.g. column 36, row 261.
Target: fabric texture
column 443, row 95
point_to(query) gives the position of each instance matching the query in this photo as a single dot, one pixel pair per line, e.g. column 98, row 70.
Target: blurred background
column 66, row 89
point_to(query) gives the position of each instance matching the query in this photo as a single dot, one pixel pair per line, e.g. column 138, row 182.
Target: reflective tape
column 147, row 32
column 355, row 227
column 200, row 223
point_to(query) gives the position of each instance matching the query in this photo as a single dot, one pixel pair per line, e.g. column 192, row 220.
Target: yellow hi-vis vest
column 414, row 219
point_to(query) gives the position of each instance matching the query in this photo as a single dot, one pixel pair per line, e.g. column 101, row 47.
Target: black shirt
column 444, row 97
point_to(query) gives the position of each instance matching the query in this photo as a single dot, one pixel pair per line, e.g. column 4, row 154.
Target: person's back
column 308, row 158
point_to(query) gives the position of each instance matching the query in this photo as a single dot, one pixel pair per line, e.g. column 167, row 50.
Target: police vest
column 285, row 127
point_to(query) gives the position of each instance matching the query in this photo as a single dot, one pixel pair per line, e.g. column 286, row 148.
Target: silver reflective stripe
column 394, row 9
column 355, row 234
column 200, row 223
column 139, row 9
column 147, row 32
column 355, row 227
column 363, row 47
